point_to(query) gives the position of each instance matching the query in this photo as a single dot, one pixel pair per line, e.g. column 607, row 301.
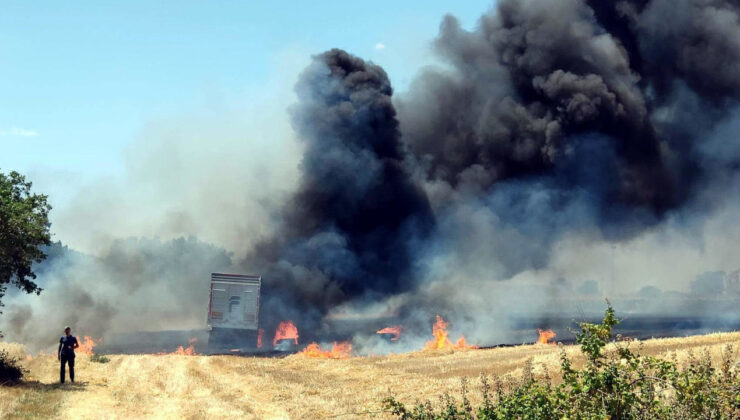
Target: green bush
column 10, row 371
column 97, row 358
column 613, row 385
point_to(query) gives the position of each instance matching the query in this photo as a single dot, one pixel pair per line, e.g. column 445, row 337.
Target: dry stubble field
column 295, row 387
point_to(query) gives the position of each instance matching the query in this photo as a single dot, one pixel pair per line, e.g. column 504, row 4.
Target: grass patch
column 33, row 400
column 97, row 358
column 614, row 383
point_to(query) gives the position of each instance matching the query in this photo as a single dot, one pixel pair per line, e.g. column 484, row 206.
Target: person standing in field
column 66, row 353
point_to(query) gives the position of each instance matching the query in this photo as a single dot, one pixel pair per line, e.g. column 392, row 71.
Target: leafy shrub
column 613, row 385
column 10, row 371
column 97, row 358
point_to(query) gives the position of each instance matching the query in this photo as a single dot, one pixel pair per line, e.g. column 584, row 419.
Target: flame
column 87, row 345
column 545, row 336
column 189, row 351
column 395, row 330
column 339, row 350
column 260, row 333
column 462, row 343
column 185, row 351
column 286, row 330
column 439, row 330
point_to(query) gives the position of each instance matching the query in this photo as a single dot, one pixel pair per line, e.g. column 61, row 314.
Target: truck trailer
column 233, row 311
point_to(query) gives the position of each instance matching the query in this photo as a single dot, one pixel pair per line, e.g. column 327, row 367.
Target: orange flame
column 439, row 330
column 462, row 343
column 260, row 333
column 545, row 336
column 286, row 330
column 183, row 351
column 87, row 345
column 186, row 351
column 338, row 351
column 395, row 330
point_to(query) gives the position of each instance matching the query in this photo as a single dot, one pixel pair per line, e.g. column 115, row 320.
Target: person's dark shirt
column 68, row 345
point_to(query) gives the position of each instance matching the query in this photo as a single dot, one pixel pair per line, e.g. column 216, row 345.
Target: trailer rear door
column 234, row 301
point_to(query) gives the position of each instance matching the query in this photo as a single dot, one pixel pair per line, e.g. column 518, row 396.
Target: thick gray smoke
column 136, row 285
column 562, row 151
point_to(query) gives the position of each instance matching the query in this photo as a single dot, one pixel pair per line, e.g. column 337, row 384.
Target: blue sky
column 79, row 79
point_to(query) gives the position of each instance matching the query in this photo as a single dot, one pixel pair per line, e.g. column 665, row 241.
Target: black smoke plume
column 537, row 75
column 351, row 227
column 548, row 118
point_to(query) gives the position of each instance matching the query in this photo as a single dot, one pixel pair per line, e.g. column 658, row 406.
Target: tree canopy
column 24, row 228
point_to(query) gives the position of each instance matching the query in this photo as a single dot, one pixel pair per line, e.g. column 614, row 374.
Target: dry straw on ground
column 14, row 350
column 296, row 387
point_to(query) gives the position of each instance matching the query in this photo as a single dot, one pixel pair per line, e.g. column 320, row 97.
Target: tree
column 24, row 228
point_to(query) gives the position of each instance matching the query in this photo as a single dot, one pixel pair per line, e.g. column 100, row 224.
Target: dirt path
column 162, row 387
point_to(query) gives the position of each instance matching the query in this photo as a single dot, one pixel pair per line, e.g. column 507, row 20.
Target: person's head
column 67, row 331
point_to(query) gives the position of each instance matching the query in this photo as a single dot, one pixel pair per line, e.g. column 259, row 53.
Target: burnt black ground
column 524, row 331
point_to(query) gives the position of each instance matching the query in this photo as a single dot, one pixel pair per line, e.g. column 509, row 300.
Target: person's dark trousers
column 70, row 360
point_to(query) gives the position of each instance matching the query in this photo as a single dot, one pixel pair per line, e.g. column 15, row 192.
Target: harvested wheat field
column 294, row 387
